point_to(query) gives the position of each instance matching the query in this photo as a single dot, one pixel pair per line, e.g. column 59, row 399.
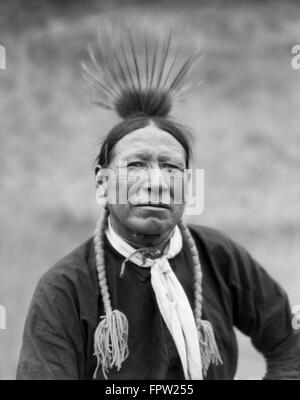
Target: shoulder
column 227, row 257
column 214, row 239
column 58, row 302
column 70, row 272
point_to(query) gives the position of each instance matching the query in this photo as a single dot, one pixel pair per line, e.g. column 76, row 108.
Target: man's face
column 152, row 178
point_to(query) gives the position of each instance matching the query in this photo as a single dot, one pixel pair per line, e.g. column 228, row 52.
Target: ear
column 101, row 179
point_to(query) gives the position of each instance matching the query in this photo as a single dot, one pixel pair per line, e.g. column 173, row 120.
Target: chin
column 151, row 225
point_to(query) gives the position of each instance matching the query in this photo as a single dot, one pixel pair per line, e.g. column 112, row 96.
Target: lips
column 154, row 205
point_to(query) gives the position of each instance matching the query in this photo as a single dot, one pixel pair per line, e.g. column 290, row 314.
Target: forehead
column 149, row 140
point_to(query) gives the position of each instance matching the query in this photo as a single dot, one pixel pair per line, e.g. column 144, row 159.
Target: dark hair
column 123, row 128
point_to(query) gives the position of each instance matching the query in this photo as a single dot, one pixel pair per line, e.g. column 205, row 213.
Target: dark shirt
column 66, row 306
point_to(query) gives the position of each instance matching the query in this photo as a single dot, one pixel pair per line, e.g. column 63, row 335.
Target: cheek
column 118, row 191
column 178, row 190
column 120, row 211
column 132, row 187
column 118, row 198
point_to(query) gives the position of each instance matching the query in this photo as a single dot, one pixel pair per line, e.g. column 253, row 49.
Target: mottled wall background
column 245, row 117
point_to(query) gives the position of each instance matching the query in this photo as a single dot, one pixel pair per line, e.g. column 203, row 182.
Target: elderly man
column 149, row 297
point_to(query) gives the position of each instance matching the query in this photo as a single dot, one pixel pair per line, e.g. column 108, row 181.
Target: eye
column 136, row 164
column 172, row 167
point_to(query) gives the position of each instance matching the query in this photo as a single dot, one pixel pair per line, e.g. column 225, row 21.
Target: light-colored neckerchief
column 171, row 298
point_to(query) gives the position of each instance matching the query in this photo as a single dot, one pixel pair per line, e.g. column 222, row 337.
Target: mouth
column 154, row 205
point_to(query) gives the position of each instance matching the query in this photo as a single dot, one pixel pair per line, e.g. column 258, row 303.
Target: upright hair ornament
column 132, row 72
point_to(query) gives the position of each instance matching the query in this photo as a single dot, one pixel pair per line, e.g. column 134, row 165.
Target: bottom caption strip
column 151, row 389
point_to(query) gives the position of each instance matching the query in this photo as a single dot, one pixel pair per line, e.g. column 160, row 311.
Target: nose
column 157, row 186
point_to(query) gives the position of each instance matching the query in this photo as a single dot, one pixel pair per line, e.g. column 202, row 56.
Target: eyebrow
column 144, row 155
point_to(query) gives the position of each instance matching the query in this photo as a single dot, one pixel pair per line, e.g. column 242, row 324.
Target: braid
column 208, row 345
column 197, row 271
column 98, row 242
column 111, row 334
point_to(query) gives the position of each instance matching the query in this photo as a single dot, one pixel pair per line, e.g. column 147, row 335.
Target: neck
column 137, row 240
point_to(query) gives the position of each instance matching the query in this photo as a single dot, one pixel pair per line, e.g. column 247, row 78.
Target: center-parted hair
column 180, row 132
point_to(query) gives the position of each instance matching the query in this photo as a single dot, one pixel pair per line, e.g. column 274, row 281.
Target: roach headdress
column 133, row 72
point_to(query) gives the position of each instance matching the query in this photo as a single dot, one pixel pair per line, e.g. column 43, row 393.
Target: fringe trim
column 110, row 342
column 208, row 346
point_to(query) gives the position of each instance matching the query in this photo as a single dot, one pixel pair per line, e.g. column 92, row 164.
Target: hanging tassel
column 208, row 346
column 110, row 342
